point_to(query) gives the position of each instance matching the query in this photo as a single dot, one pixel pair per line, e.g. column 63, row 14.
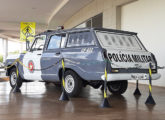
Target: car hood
column 15, row 56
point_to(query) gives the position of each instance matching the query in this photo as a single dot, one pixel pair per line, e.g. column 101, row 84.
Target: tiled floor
column 37, row 101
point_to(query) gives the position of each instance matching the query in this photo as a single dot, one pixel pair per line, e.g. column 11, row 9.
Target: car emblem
column 31, row 66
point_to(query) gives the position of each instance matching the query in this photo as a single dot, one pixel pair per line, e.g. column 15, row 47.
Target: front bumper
column 130, row 76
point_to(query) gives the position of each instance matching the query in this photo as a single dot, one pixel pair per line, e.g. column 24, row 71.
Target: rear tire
column 14, row 79
column 118, row 87
column 73, row 83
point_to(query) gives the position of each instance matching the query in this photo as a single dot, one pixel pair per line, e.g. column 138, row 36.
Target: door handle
column 38, row 54
column 57, row 53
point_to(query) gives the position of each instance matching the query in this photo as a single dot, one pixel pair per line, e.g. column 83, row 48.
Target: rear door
column 51, row 56
column 83, row 55
column 125, row 50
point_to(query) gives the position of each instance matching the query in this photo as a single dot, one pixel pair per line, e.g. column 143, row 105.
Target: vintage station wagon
column 85, row 51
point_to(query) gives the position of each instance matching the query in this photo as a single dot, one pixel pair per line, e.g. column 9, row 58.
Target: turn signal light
column 153, row 71
column 115, row 70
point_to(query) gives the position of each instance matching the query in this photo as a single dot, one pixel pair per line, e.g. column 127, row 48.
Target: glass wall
column 1, row 48
column 96, row 21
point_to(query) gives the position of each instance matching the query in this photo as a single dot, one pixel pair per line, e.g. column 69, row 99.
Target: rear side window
column 63, row 40
column 80, row 39
column 54, row 42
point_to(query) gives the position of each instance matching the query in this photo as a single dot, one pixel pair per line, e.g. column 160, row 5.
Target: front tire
column 118, row 87
column 73, row 83
column 14, row 79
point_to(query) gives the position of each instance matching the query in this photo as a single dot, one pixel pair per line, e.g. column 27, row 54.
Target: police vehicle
column 85, row 51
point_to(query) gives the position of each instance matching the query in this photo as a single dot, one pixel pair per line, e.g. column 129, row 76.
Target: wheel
column 73, row 83
column 117, row 87
column 14, row 79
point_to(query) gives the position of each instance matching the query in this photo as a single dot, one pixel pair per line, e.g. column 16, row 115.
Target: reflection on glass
column 116, row 40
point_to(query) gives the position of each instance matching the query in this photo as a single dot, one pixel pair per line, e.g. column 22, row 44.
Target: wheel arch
column 66, row 69
column 9, row 69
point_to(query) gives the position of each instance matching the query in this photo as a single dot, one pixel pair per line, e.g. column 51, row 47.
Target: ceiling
column 67, row 11
column 46, row 14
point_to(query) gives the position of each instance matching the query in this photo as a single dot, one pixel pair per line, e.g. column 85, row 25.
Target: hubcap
column 69, row 83
column 13, row 78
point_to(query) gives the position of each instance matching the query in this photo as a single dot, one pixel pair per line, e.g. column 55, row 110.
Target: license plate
column 139, row 77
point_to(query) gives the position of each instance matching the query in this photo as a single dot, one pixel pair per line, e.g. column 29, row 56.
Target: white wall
column 15, row 46
column 147, row 17
column 109, row 8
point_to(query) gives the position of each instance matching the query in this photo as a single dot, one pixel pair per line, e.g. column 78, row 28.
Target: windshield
column 118, row 40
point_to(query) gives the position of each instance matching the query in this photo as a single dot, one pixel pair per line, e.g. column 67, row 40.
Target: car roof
column 85, row 29
column 115, row 30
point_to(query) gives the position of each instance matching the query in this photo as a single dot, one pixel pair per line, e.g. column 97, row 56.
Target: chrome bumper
column 130, row 76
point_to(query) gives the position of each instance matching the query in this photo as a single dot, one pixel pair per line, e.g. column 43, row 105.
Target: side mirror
column 27, row 45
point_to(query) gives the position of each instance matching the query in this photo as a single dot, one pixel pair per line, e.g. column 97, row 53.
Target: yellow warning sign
column 27, row 31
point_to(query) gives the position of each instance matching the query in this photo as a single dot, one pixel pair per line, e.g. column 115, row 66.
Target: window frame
column 60, row 47
column 65, row 41
column 35, row 39
column 49, row 42
column 80, row 45
column 142, row 48
column 90, row 19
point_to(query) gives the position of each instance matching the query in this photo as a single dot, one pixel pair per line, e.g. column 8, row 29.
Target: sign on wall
column 27, row 31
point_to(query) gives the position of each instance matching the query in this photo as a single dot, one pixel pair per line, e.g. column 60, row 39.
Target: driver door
column 32, row 60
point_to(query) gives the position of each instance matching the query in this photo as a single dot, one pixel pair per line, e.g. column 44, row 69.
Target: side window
column 80, row 39
column 54, row 42
column 38, row 43
column 63, row 40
